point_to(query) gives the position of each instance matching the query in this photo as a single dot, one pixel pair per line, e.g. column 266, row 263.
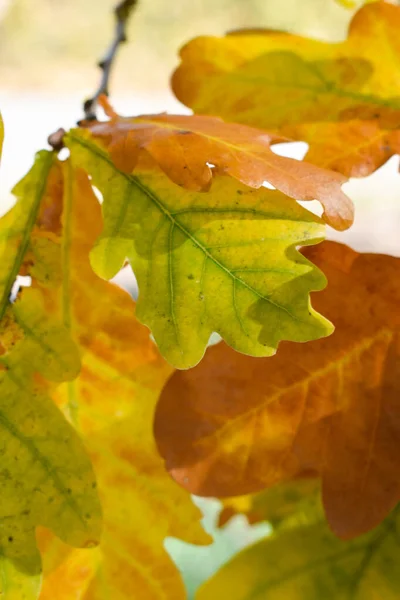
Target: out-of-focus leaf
column 45, row 475
column 285, row 504
column 112, row 404
column 16, row 584
column 235, row 425
column 184, row 146
column 309, row 562
column 225, row 261
column 343, row 98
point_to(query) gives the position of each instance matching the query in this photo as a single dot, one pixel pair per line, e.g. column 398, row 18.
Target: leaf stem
column 122, row 12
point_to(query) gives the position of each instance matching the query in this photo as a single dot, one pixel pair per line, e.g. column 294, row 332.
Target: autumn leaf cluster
column 113, row 412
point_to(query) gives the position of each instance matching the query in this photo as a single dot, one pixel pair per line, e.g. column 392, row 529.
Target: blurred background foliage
column 54, row 43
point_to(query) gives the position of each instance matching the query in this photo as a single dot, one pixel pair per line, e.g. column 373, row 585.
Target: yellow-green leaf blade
column 17, row 585
column 47, row 478
column 310, row 563
column 16, row 226
column 45, row 475
column 223, row 261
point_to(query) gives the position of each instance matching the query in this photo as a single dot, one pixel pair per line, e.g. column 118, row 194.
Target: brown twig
column 122, row 11
column 56, row 139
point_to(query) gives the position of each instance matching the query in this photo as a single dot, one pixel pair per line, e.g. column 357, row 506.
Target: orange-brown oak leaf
column 185, row 147
column 341, row 98
column 234, row 424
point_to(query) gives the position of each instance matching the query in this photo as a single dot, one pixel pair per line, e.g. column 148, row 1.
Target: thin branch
column 55, row 140
column 122, row 11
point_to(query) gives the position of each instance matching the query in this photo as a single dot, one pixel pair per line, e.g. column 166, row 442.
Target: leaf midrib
column 66, row 243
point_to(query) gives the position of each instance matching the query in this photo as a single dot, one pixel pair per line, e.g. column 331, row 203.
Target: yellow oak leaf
column 341, row 98
column 235, row 425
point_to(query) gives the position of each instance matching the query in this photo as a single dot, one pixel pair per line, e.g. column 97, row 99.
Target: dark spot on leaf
column 10, row 538
column 190, row 276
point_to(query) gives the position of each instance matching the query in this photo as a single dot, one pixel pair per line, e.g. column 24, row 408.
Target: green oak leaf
column 309, row 562
column 224, row 261
column 46, row 477
column 16, row 226
column 16, row 584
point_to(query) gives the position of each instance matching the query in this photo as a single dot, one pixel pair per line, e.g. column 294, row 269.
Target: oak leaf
column 309, row 562
column 66, row 574
column 235, row 425
column 46, row 476
column 112, row 403
column 184, row 146
column 16, row 584
column 342, row 98
column 18, row 224
column 225, row 261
